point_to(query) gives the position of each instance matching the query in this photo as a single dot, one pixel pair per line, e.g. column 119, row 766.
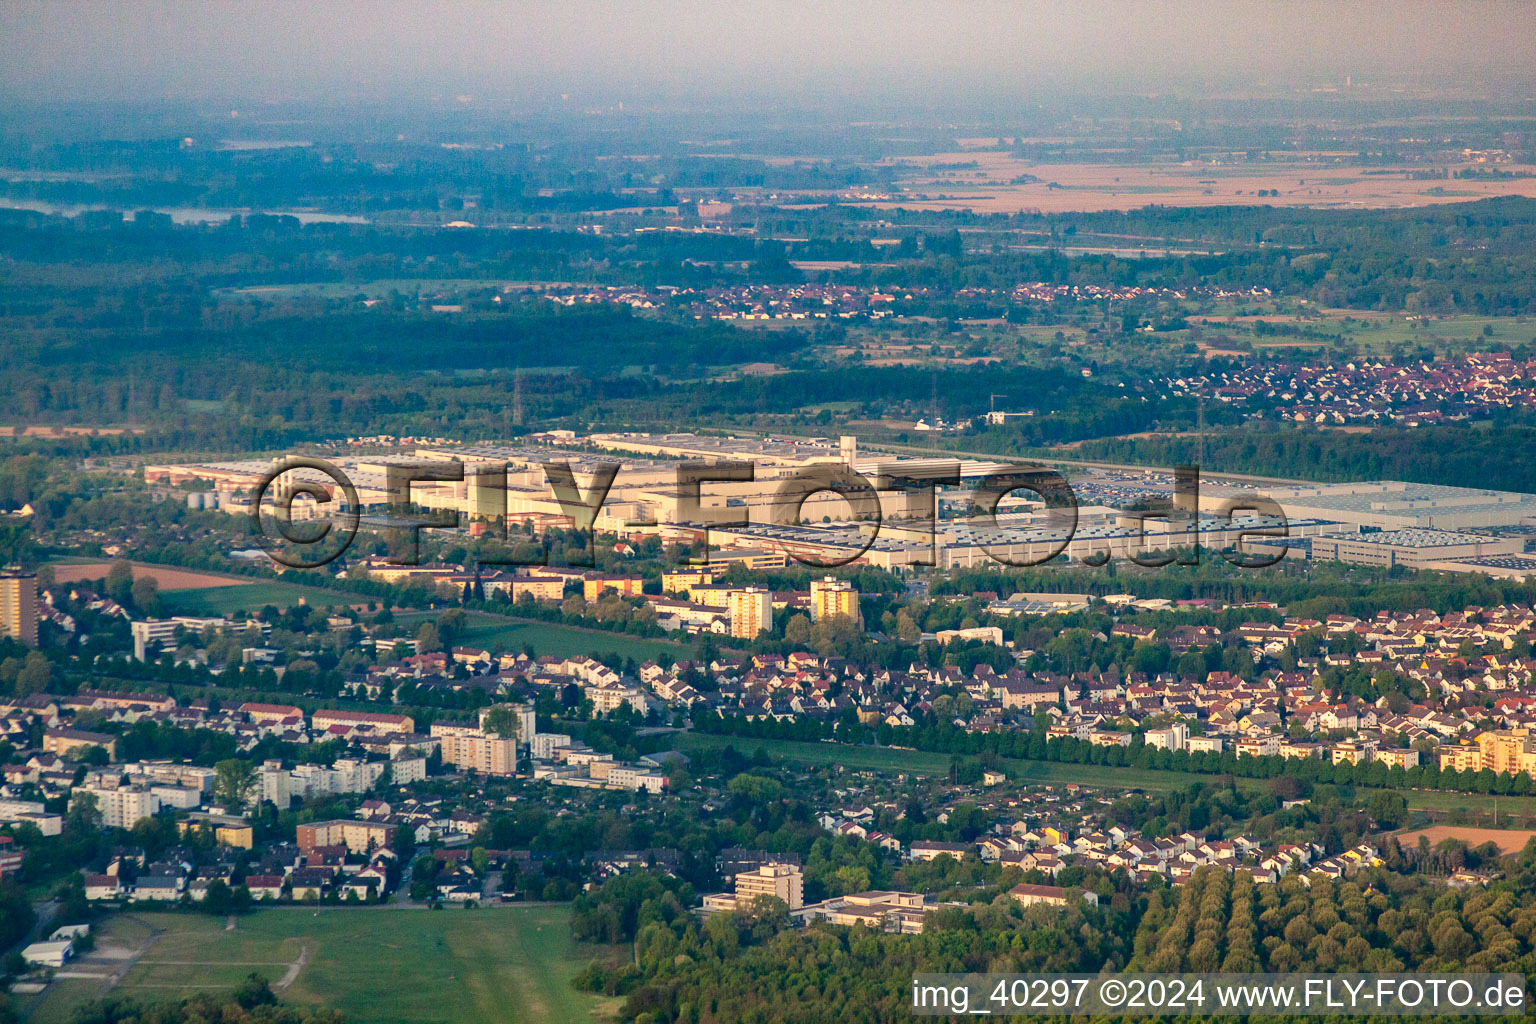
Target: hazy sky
column 147, row 49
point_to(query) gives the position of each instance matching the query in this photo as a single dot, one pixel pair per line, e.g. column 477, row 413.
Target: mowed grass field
column 252, row 597
column 552, row 638
column 563, row 641
column 919, row 762
column 485, row 630
column 236, row 594
column 496, row 965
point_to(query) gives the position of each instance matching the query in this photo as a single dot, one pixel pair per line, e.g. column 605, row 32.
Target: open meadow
column 552, row 638
column 494, row 965
column 917, row 762
column 222, row 600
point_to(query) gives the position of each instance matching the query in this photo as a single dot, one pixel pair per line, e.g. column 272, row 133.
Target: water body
column 243, row 145
column 186, row 214
column 1145, row 252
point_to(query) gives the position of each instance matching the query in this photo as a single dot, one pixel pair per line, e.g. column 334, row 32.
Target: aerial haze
column 701, row 52
column 763, row 502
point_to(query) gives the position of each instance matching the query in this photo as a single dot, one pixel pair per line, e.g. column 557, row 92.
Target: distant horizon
column 892, row 54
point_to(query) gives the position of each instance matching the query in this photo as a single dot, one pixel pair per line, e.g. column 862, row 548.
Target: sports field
column 497, row 965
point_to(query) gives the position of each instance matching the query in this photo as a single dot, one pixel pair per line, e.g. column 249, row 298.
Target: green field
column 1460, row 333
column 920, row 762
column 485, row 630
column 552, row 638
column 822, row 754
column 250, row 597
column 497, row 965
column 564, row 641
column 381, row 287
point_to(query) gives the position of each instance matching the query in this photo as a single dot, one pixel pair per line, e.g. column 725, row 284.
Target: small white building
column 49, row 954
column 69, row 933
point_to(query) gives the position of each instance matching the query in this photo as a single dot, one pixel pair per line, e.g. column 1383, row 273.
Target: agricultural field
column 1508, row 840
column 1379, row 333
column 168, row 577
column 992, row 186
column 497, row 965
column 374, row 288
column 195, row 592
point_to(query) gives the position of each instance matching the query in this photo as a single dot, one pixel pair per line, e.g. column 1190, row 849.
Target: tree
column 35, row 675
column 253, row 992
column 504, row 721
column 427, row 638
column 84, row 813
column 120, row 581
column 233, row 780
column 836, row 634
column 450, row 624
column 798, row 630
column 304, row 667
column 756, row 789
column 1388, row 808
column 146, row 595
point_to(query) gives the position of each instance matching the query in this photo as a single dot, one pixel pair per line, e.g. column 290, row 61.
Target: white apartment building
column 781, row 881
column 163, row 631
column 607, row 698
column 405, row 770
column 16, row 812
column 542, row 745
column 480, row 752
column 630, row 776
column 120, row 806
column 348, row 775
column 526, row 724
column 1174, row 737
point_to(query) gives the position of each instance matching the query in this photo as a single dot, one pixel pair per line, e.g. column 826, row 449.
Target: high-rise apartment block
column 18, row 606
column 832, row 596
column 751, row 611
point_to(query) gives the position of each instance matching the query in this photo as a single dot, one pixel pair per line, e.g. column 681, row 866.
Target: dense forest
column 751, row 966
column 1473, row 257
column 250, row 1002
column 1497, row 456
column 185, row 330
